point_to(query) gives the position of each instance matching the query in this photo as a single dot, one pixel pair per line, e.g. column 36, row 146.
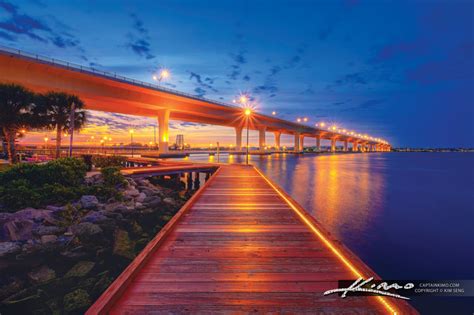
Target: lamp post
column 131, row 140
column 247, row 112
column 164, row 74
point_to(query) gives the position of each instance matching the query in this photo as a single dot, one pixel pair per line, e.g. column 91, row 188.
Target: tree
column 54, row 110
column 16, row 111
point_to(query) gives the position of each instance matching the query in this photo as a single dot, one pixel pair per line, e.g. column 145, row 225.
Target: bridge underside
column 105, row 93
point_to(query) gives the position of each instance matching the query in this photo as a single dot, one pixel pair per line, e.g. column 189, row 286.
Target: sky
column 398, row 70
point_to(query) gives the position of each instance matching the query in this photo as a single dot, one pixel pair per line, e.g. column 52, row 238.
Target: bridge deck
column 241, row 245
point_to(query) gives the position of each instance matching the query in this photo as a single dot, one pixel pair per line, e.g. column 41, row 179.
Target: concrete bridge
column 110, row 92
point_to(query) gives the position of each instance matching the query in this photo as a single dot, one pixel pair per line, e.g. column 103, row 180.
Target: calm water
column 407, row 215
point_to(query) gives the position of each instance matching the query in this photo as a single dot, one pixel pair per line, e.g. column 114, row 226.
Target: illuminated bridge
column 110, row 92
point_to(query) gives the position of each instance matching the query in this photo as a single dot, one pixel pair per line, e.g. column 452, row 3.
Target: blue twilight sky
column 401, row 70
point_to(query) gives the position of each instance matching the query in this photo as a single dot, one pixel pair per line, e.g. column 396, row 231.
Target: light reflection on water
column 407, row 215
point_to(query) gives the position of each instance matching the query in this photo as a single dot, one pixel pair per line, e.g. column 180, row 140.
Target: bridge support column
column 355, row 146
column 333, row 145
column 297, row 142
column 277, row 140
column 346, row 145
column 301, row 142
column 318, row 143
column 163, row 125
column 238, row 138
column 261, row 137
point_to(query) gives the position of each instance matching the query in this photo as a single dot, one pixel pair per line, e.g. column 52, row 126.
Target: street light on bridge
column 164, row 74
column 247, row 113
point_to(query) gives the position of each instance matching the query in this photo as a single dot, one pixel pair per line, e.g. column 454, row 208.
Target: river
column 407, row 215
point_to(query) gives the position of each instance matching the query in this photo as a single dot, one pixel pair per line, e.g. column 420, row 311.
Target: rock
column 149, row 192
column 140, row 198
column 152, row 202
column 36, row 215
column 80, row 269
column 45, row 239
column 115, row 207
column 14, row 285
column 9, row 248
column 75, row 253
column 18, row 230
column 41, row 275
column 46, row 230
column 86, row 229
column 54, row 208
column 76, row 301
column 123, row 246
column 89, row 202
column 170, row 201
column 5, row 217
column 131, row 192
column 112, row 215
column 94, row 217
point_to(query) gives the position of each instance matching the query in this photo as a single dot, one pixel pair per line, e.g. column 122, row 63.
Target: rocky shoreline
column 58, row 260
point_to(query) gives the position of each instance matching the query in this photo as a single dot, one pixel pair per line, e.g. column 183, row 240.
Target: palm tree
column 16, row 111
column 55, row 109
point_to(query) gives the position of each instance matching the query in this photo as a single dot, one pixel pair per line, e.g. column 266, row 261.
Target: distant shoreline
column 432, row 150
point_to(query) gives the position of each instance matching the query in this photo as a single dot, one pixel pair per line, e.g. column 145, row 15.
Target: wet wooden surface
column 241, row 248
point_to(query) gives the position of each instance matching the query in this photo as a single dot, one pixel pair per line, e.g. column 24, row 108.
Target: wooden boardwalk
column 241, row 245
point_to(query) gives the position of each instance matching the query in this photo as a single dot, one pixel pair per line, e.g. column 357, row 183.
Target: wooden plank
column 243, row 246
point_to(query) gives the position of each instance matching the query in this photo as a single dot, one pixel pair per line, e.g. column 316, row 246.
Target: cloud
column 266, row 88
column 456, row 66
column 7, row 36
column 139, row 39
column 10, row 8
column 200, row 92
column 350, row 79
column 236, row 68
column 394, row 50
column 203, row 85
column 308, row 91
column 20, row 24
column 246, row 78
column 365, row 105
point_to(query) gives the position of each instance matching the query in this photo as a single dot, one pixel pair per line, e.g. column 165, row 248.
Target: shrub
column 66, row 171
column 112, row 176
column 112, row 179
column 109, row 161
column 36, row 185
